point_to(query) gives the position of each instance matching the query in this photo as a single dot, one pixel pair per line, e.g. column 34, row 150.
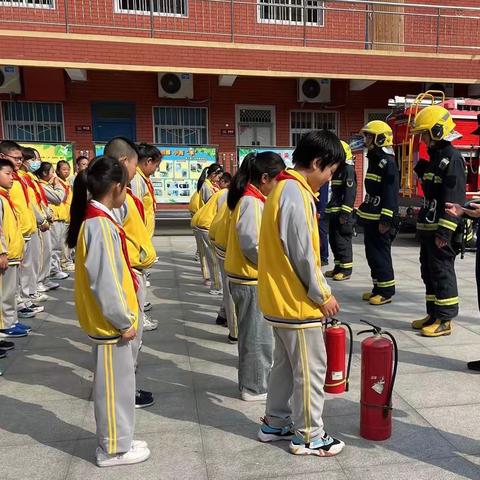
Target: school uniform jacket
column 105, row 296
column 34, row 197
column 344, row 191
column 381, row 187
column 11, row 239
column 219, row 229
column 443, row 180
column 54, row 197
column 241, row 259
column 62, row 211
column 142, row 188
column 21, row 200
column 291, row 286
column 207, row 190
column 193, row 205
column 205, row 215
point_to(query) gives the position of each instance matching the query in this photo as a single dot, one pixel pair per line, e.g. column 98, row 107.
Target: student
column 149, row 159
column 53, row 198
column 65, row 262
column 107, row 307
column 11, row 252
column 295, row 298
column 139, row 244
column 81, row 164
column 250, row 186
column 207, row 183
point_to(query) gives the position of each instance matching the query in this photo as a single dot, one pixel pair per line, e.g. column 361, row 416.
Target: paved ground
column 199, row 428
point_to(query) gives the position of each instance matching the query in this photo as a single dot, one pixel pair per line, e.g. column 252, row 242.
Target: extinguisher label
column 337, row 376
column 379, row 385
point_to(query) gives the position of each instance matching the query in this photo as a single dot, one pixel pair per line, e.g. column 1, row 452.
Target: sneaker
column 38, row 297
column 143, row 399
column 216, row 292
column 22, row 326
column 139, row 444
column 423, row 322
column 221, row 321
column 273, row 434
column 147, row 306
column 70, row 267
column 36, row 308
column 253, row 397
column 470, row 365
column 59, row 276
column 149, row 324
column 147, row 283
column 340, row 277
column 51, row 285
column 3, row 353
column 25, row 313
column 367, row 296
column 136, row 454
column 232, row 340
column 4, row 345
column 13, row 332
column 379, row 300
column 437, row 329
column 326, row 446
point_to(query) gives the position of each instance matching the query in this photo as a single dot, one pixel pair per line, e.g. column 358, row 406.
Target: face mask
column 34, row 165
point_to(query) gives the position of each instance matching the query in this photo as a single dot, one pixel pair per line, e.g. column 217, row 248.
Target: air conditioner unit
column 10, row 79
column 175, row 85
column 313, row 90
column 447, row 88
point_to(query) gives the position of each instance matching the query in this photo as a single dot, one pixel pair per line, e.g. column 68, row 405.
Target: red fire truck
column 409, row 149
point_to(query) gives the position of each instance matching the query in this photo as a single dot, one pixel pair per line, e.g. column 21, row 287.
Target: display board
column 286, row 153
column 53, row 152
column 176, row 178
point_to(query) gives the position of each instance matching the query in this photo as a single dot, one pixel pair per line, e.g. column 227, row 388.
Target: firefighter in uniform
column 443, row 180
column 340, row 217
column 379, row 211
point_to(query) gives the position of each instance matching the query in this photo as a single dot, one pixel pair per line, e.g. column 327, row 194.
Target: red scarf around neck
column 251, row 191
column 17, row 178
column 93, row 212
column 6, row 195
column 138, row 203
column 284, row 175
column 34, row 187
column 67, row 189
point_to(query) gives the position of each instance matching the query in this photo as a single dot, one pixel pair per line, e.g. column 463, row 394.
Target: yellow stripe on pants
column 112, row 392
column 108, row 399
column 306, row 384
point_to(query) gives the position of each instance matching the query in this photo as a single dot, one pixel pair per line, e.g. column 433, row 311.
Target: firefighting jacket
column 381, row 187
column 344, row 191
column 443, row 180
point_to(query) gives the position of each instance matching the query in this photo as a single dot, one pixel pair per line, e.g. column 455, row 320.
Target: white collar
column 103, row 208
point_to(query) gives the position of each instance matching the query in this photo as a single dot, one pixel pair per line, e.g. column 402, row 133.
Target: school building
column 226, row 73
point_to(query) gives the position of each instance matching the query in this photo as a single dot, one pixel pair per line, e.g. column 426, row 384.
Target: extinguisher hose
column 388, row 406
column 350, row 353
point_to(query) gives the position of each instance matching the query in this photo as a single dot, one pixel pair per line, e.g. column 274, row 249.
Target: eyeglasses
column 18, row 159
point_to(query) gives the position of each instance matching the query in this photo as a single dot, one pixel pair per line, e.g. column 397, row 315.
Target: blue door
column 113, row 119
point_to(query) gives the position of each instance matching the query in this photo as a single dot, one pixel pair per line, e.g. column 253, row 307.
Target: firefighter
column 340, row 217
column 443, row 180
column 379, row 211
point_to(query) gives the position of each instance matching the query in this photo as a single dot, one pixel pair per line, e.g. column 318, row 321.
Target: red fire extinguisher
column 336, row 379
column 379, row 370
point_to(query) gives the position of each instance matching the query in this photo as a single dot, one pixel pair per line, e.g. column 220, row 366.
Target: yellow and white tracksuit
column 142, row 188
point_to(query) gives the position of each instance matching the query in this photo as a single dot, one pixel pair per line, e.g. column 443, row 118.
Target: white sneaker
column 50, row 285
column 42, row 288
column 147, row 283
column 215, row 292
column 139, row 444
column 136, row 454
column 253, row 397
column 59, row 276
column 147, row 306
column 70, row 267
column 149, row 324
column 38, row 297
column 37, row 308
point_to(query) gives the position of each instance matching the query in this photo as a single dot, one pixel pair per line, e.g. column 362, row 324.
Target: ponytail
column 201, row 179
column 206, row 172
column 253, row 167
column 78, row 208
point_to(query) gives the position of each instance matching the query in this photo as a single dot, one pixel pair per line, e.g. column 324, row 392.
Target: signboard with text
column 286, row 153
column 53, row 152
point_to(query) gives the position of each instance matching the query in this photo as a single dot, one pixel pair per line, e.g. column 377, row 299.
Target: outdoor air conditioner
column 447, row 88
column 175, row 85
column 313, row 90
column 10, row 79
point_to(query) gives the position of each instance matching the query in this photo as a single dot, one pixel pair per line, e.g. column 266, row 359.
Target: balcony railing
column 381, row 25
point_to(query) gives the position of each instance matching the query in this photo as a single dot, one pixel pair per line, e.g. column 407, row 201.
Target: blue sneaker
column 326, row 446
column 22, row 326
column 273, row 434
column 13, row 332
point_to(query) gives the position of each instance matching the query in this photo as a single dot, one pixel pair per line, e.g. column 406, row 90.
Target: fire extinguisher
column 379, row 370
column 337, row 376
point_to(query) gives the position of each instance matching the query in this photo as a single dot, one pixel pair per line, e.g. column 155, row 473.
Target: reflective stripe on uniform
column 386, row 212
column 390, row 283
column 368, row 216
column 372, row 176
column 445, row 302
column 447, row 224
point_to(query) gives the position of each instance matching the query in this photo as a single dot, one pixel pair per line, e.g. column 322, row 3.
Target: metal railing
column 359, row 24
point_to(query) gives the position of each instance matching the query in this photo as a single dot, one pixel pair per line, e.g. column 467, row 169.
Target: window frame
column 35, row 140
column 25, row 4
column 312, row 111
column 288, row 22
column 271, row 108
column 117, row 9
column 207, row 124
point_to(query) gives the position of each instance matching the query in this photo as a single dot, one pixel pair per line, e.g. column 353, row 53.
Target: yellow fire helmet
column 383, row 135
column 435, row 120
column 348, row 151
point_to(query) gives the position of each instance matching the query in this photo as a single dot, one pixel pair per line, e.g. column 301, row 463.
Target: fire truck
column 409, row 149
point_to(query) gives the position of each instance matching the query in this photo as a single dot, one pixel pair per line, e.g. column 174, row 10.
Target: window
column 303, row 121
column 28, row 3
column 291, row 12
column 177, row 8
column 30, row 121
column 180, row 125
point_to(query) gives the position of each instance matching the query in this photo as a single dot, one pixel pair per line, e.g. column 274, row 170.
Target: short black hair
column 60, row 163
column 321, row 144
column 119, row 147
column 28, row 153
column 7, row 146
column 145, row 150
column 226, row 177
column 80, row 158
column 44, row 169
column 4, row 162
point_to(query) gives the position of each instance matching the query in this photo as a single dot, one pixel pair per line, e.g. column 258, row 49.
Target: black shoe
column 474, row 365
column 232, row 340
column 221, row 321
column 4, row 345
column 143, row 399
column 3, row 353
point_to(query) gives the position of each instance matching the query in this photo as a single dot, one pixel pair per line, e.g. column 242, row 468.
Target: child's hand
column 331, row 308
column 3, row 262
column 129, row 335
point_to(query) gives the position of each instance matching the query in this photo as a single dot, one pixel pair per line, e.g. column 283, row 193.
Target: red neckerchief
column 31, row 184
column 93, row 212
column 17, row 178
column 251, row 191
column 149, row 184
column 67, row 189
column 284, row 175
column 43, row 195
column 9, row 200
column 138, row 203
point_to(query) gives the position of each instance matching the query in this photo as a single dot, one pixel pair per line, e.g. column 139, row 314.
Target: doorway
column 255, row 125
column 112, row 119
